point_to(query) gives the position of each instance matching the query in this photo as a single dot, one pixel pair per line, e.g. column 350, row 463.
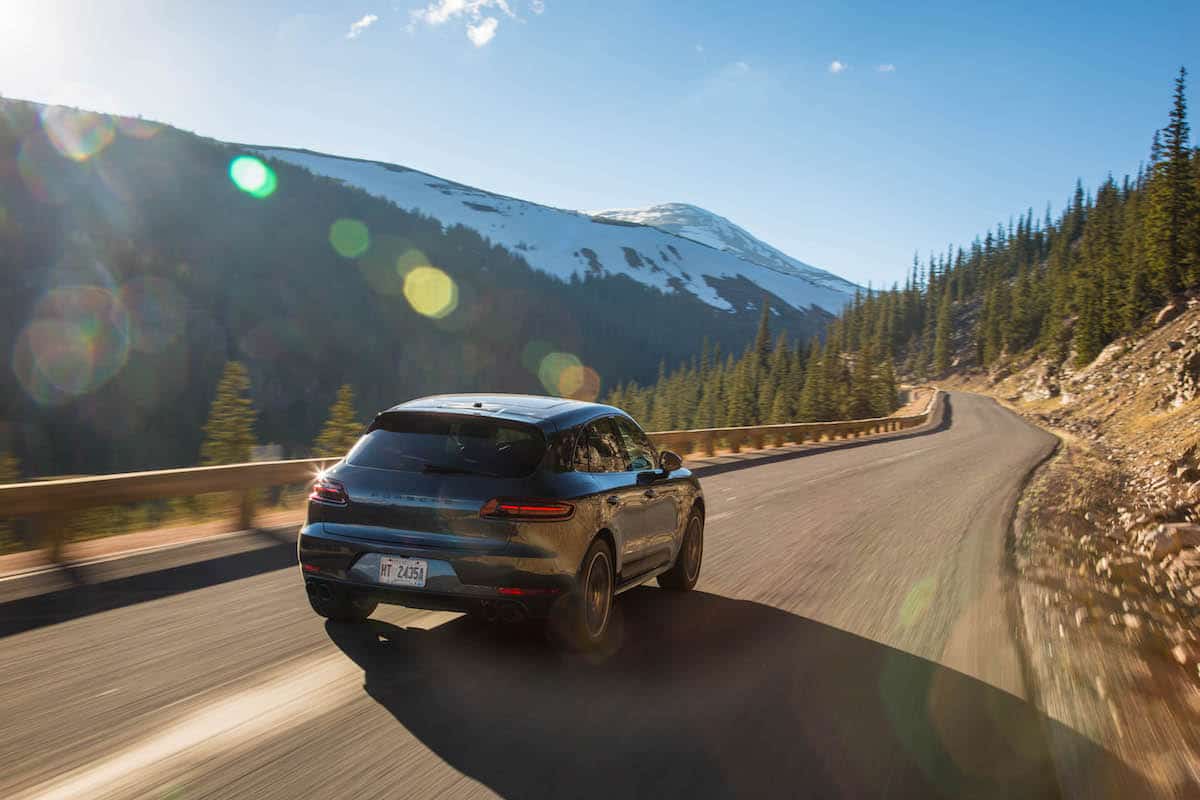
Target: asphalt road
column 851, row 636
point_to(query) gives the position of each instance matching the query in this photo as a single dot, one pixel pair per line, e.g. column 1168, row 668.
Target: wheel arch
column 605, row 535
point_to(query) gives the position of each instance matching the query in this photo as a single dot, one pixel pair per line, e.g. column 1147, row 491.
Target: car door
column 659, row 515
column 600, row 453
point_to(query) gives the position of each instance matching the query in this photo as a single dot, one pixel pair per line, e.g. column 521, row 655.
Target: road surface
column 851, row 636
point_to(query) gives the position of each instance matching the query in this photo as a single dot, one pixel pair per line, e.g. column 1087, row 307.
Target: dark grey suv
column 507, row 506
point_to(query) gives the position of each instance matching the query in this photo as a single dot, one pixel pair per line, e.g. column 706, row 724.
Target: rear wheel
column 584, row 617
column 339, row 604
column 684, row 573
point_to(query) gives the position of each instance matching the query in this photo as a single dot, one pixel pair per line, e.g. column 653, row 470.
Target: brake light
column 330, row 492
column 505, row 508
column 513, row 591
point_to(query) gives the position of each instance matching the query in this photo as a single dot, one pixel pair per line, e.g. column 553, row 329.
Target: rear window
column 450, row 444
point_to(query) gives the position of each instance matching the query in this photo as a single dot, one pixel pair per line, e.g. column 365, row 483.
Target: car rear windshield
column 449, row 444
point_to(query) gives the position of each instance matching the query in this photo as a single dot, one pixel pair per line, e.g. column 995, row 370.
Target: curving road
column 850, row 637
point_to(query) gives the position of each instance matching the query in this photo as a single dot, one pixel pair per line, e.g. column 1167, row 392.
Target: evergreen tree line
column 229, row 433
column 769, row 383
column 1060, row 286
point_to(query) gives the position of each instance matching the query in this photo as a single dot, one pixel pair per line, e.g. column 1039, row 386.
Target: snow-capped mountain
column 672, row 247
column 702, row 225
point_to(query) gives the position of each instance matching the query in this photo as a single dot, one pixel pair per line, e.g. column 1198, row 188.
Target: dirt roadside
column 1106, row 553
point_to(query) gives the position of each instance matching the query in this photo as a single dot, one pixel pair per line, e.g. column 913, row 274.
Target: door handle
column 612, row 500
column 649, row 493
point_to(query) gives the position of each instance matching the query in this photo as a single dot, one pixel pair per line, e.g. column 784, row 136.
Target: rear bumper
column 481, row 579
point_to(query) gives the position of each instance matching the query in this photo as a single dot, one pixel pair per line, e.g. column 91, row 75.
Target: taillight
column 329, row 492
column 506, row 508
column 513, row 591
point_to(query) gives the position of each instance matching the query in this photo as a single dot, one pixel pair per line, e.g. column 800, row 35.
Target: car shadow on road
column 713, row 697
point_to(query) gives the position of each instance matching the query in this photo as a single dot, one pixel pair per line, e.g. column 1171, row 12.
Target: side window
column 599, row 449
column 638, row 450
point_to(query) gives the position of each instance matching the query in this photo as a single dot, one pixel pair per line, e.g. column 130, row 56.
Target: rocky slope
column 1107, row 554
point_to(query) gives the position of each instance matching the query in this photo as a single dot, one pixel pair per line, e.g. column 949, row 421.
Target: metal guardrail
column 46, row 502
column 705, row 440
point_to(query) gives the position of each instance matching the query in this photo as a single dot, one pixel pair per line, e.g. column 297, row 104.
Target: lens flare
column 252, row 176
column 579, row 383
column 349, row 237
column 137, row 128
column 560, row 370
column 77, row 135
column 386, row 261
column 156, row 313
column 430, row 291
column 77, row 340
column 917, row 601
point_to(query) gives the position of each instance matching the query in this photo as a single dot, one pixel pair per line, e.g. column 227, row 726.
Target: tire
column 583, row 620
column 684, row 573
column 340, row 605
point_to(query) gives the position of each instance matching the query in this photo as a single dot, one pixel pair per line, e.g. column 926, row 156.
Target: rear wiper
column 447, row 469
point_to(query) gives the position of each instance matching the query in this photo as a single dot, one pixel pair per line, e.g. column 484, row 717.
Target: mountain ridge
column 565, row 242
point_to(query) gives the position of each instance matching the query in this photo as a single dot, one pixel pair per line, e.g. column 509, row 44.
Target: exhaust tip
column 512, row 612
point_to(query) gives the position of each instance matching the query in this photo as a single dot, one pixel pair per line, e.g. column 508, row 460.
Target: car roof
column 550, row 413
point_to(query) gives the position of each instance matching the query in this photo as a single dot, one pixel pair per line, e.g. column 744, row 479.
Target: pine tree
column 1171, row 216
column 342, row 428
column 10, row 472
column 742, row 397
column 762, row 341
column 771, row 379
column 814, row 395
column 659, row 416
column 229, row 432
column 884, row 394
column 860, row 404
column 10, row 468
column 941, row 339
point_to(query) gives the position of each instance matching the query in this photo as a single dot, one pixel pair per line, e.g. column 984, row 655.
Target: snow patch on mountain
column 702, row 225
column 567, row 243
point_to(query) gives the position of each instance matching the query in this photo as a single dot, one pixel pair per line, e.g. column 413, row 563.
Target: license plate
column 403, row 571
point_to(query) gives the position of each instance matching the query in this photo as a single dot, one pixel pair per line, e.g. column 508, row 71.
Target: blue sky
column 977, row 113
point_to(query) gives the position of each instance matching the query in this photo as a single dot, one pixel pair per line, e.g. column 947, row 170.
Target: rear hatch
column 421, row 478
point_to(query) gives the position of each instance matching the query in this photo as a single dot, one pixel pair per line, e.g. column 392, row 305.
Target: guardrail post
column 49, row 531
column 710, row 444
column 735, row 442
column 245, row 519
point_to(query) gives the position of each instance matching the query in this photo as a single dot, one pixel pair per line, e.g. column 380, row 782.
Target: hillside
column 137, row 259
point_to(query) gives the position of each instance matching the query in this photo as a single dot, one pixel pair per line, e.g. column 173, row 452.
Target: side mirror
column 669, row 461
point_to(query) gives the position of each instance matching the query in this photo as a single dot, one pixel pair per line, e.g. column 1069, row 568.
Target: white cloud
column 836, row 66
column 480, row 29
column 699, row 47
column 537, row 6
column 483, row 33
column 356, row 28
column 887, row 67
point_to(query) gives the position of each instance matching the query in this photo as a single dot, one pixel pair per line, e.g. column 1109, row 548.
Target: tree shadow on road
column 74, row 592
column 708, row 696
